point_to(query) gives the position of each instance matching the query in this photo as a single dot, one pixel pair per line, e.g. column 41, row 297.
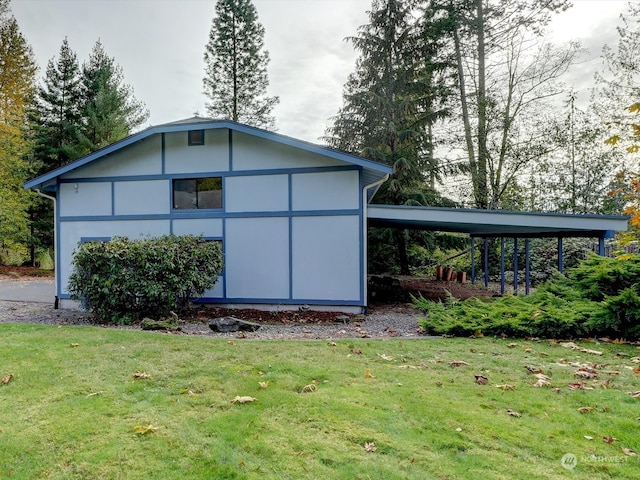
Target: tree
column 236, row 79
column 390, row 103
column 58, row 114
column 109, row 109
column 17, row 82
column 500, row 77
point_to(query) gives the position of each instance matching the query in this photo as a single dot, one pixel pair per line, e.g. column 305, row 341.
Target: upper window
column 196, row 137
column 191, row 193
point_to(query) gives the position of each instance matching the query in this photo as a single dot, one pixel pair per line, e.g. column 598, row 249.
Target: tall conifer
column 236, row 79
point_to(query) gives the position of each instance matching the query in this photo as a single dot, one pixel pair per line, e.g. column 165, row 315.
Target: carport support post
column 560, row 256
column 527, row 279
column 515, row 265
column 473, row 260
column 601, row 246
column 502, row 265
column 486, row 262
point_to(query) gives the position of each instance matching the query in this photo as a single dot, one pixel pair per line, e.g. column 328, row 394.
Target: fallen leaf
column 506, row 386
column 513, row 413
column 141, row 375
column 459, row 429
column 368, row 374
column 628, row 451
column 542, row 376
column 633, row 394
column 142, row 430
column 609, row 439
column 542, row 383
column 533, row 369
column 573, row 346
column 332, row 344
column 586, row 409
column 585, row 374
column 357, row 351
column 458, row 363
column 386, row 357
column 579, row 386
column 512, row 345
column 605, row 384
column 312, row 387
column 243, row 399
column 481, row 379
column 528, row 349
column 588, row 437
column 6, row 379
column 263, row 384
column 635, row 359
column 74, row 345
column 637, row 369
column 370, row 447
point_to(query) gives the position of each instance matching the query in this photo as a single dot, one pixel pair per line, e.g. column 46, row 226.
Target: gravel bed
column 387, row 321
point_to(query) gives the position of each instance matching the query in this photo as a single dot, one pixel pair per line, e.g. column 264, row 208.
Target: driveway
column 29, row 290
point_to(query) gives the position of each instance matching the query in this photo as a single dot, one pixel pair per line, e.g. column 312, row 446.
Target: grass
column 73, row 409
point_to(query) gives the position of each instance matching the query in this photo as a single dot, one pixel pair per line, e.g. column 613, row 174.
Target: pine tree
column 109, row 109
column 58, row 113
column 17, row 84
column 236, row 77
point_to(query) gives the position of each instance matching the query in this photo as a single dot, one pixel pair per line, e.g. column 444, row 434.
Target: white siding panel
column 207, row 227
column 142, row 198
column 140, row 158
column 325, row 190
column 257, row 257
column 326, row 258
column 263, row 193
column 213, row 156
column 72, row 232
column 85, row 199
column 255, row 153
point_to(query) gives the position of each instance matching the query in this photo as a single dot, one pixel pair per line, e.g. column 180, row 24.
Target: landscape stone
column 231, row 324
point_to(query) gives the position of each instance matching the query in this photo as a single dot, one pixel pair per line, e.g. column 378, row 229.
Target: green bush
column 124, row 280
column 599, row 297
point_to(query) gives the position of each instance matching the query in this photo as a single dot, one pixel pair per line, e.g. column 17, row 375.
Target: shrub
column 124, row 280
column 599, row 297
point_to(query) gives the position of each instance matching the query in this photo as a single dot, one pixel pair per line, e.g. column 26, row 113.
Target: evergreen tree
column 17, row 84
column 109, row 109
column 236, row 78
column 390, row 103
column 58, row 114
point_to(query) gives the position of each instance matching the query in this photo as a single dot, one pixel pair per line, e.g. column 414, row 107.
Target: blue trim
column 560, row 255
column 94, row 239
column 290, row 257
column 282, row 301
column 601, row 250
column 209, row 125
column 163, row 157
column 486, row 262
column 515, row 266
column 502, row 265
column 113, row 198
column 224, row 256
column 527, row 267
column 58, row 251
column 230, row 146
column 473, row 260
column 362, row 234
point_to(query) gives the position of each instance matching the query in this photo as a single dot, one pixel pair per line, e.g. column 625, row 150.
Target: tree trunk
column 482, row 195
column 401, row 244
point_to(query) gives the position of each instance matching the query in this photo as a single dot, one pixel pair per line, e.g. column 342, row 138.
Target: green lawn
column 365, row 409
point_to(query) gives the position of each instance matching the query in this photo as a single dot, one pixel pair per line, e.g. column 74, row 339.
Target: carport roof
column 495, row 223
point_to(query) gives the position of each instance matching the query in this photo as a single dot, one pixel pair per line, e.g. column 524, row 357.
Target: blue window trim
column 191, row 142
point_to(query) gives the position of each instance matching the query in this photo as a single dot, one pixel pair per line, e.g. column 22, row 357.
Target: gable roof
column 201, row 123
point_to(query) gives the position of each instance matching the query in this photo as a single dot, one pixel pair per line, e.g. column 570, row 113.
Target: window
column 196, row 137
column 197, row 193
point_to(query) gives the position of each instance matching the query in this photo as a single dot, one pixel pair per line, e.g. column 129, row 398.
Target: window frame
column 191, row 141
column 196, row 193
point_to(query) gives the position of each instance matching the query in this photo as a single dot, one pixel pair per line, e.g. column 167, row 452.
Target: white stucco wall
column 83, row 199
column 213, row 156
column 326, row 257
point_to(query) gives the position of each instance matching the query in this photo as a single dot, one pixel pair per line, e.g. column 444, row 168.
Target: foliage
column 109, row 109
column 124, row 280
column 76, row 411
column 17, row 83
column 236, row 63
column 599, row 297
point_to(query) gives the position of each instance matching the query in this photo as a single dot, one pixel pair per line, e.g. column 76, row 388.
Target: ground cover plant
column 599, row 297
column 85, row 402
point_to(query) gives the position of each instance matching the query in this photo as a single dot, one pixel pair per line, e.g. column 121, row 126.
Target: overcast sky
column 160, row 45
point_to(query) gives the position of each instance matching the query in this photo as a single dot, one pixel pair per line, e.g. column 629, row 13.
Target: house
column 291, row 215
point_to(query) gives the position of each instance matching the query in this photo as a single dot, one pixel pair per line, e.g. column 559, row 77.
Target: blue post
column 601, row 246
column 473, row 260
column 502, row 265
column 527, row 279
column 560, row 256
column 515, row 266
column 486, row 262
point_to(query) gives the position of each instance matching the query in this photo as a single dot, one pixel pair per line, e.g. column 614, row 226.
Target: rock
column 231, row 324
column 342, row 319
column 167, row 324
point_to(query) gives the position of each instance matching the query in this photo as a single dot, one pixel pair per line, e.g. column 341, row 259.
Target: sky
column 160, row 46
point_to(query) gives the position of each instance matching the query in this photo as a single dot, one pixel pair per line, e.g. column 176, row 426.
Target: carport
column 488, row 224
